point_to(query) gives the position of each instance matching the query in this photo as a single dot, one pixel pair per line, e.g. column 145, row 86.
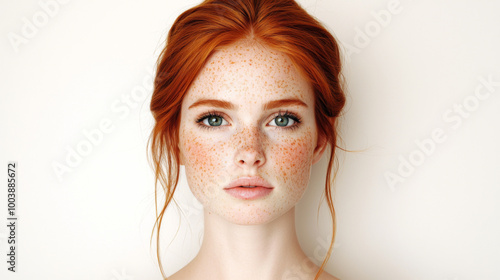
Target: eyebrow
column 230, row 106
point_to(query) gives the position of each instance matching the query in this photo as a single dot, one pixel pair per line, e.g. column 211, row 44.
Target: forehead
column 249, row 72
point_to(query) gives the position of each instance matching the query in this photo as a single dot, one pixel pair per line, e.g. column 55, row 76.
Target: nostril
column 250, row 158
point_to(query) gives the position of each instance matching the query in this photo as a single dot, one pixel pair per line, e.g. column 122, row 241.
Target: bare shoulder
column 182, row 274
column 327, row 276
column 174, row 276
column 187, row 273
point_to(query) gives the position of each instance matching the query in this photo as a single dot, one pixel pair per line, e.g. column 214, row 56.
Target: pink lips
column 262, row 188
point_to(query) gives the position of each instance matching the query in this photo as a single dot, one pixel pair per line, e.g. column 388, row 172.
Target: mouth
column 248, row 192
column 249, row 188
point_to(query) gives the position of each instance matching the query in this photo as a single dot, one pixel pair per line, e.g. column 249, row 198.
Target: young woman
column 246, row 97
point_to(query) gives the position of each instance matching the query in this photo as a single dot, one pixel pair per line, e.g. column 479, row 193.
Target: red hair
column 282, row 25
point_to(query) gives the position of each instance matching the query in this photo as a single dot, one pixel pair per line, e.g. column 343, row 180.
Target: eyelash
column 287, row 114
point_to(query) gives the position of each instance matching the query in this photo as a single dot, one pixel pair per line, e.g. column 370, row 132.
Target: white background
column 405, row 80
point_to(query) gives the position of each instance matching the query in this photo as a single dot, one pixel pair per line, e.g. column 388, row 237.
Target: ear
column 320, row 148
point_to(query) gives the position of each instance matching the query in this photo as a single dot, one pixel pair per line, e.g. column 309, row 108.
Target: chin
column 246, row 221
column 249, row 216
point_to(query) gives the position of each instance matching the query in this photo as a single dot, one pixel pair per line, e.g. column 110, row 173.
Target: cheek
column 289, row 163
column 292, row 161
column 202, row 161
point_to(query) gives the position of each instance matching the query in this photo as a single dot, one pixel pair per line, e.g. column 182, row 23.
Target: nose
column 250, row 152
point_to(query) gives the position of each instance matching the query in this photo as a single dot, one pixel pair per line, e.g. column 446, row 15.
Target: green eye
column 281, row 120
column 215, row 120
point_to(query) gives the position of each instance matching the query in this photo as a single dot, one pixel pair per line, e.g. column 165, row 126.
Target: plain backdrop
column 418, row 200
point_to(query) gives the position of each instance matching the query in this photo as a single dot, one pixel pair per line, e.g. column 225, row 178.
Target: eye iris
column 217, row 121
column 213, row 121
column 281, row 121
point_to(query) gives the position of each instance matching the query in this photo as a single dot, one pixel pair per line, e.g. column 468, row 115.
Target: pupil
column 213, row 121
column 281, row 120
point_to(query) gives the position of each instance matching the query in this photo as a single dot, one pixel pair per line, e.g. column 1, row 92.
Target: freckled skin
column 249, row 141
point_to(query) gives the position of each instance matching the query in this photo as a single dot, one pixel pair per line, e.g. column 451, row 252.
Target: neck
column 264, row 251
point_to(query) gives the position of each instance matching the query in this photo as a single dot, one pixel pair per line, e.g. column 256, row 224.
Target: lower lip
column 248, row 193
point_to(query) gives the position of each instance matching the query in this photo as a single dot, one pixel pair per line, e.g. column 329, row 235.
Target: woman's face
column 233, row 134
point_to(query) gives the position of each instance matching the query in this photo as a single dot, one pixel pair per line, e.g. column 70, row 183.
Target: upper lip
column 249, row 181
